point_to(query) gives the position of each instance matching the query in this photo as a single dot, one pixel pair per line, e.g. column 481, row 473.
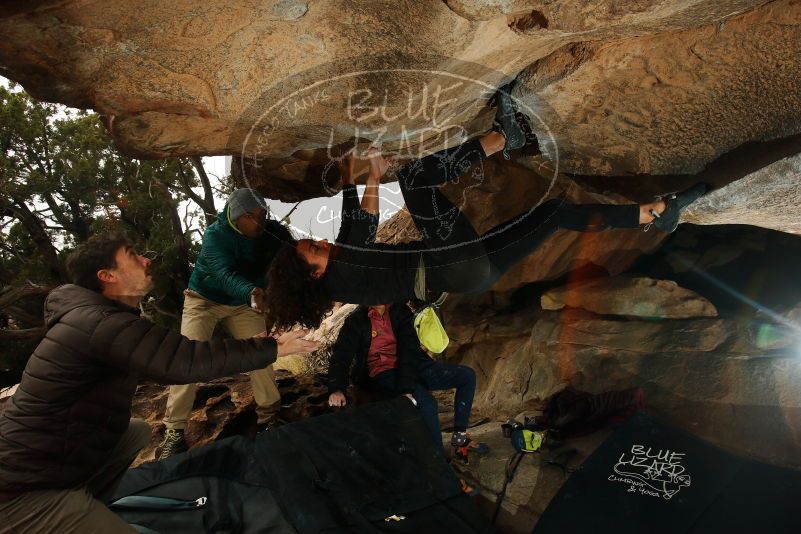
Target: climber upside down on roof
column 307, row 276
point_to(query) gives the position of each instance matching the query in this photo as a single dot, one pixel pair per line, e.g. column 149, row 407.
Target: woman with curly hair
column 308, row 276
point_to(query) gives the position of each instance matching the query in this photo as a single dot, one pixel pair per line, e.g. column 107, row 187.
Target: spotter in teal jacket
column 230, row 265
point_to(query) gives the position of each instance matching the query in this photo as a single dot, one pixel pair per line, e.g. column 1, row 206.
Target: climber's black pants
column 458, row 260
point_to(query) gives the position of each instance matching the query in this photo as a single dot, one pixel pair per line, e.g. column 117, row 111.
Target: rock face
column 225, row 407
column 672, row 102
column 621, row 87
column 630, row 296
column 766, row 198
column 638, row 96
column 611, row 88
column 689, row 372
column 704, row 375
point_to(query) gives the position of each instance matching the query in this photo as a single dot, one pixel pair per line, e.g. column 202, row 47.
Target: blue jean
column 432, row 377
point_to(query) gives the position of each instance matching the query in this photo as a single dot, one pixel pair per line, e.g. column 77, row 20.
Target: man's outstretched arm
column 128, row 342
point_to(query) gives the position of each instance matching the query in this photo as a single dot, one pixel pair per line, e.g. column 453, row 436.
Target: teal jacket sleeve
column 218, row 255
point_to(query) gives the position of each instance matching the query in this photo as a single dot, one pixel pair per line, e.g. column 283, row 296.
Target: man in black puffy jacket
column 66, row 435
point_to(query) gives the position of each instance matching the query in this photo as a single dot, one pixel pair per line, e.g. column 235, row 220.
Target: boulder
column 767, row 197
column 630, row 296
column 689, row 369
column 225, row 407
column 671, row 102
column 671, row 84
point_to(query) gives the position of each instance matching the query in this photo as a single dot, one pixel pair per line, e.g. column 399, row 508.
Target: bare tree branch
column 22, row 316
column 208, row 208
column 7, row 334
column 286, row 217
column 13, row 295
column 197, row 162
column 12, row 251
column 40, row 237
column 178, row 231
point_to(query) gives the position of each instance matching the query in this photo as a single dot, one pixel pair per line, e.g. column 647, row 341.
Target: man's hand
column 291, row 343
column 257, row 299
column 337, row 398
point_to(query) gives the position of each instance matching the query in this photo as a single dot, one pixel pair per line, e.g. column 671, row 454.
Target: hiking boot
column 463, row 439
column 506, row 119
column 463, row 445
column 172, row 444
column 265, row 426
column 668, row 220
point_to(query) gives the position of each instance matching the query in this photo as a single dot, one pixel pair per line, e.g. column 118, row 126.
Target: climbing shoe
column 668, row 220
column 463, row 445
column 467, row 488
column 506, row 120
column 173, row 443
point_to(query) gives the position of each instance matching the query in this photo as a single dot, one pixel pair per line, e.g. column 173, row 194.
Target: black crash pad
column 650, row 477
column 368, row 469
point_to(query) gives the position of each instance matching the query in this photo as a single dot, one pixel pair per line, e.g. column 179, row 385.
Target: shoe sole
column 669, row 220
column 515, row 136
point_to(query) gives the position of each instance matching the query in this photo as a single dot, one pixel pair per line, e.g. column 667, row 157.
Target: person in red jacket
column 378, row 349
column 66, row 435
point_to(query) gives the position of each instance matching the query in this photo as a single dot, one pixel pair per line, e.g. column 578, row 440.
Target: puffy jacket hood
column 225, row 223
column 66, row 298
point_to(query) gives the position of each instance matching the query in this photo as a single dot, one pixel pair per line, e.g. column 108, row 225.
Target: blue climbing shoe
column 463, row 445
column 668, row 220
column 507, row 122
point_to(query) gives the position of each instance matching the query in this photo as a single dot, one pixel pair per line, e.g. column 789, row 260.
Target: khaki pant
column 80, row 510
column 198, row 322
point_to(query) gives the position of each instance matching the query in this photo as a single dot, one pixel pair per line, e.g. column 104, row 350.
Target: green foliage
column 62, row 180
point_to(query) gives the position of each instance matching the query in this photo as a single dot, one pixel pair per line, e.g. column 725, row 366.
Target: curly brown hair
column 293, row 297
column 96, row 253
